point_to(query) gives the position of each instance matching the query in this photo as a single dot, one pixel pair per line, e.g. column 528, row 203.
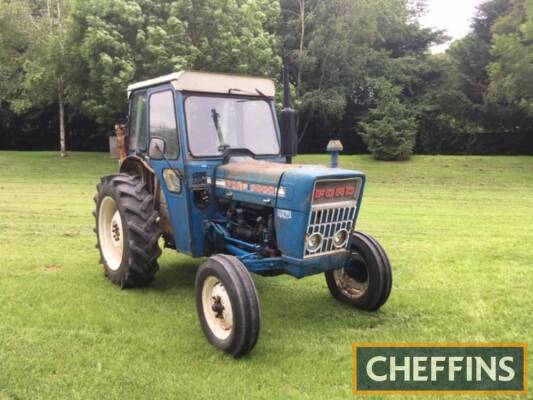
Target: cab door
column 162, row 123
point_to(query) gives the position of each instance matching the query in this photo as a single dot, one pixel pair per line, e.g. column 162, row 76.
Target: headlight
column 341, row 238
column 314, row 242
column 172, row 181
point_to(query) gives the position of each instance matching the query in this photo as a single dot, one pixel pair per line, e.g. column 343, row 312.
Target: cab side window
column 163, row 121
column 138, row 122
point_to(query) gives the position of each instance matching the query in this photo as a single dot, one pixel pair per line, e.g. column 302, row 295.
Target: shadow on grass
column 302, row 311
column 291, row 309
column 175, row 276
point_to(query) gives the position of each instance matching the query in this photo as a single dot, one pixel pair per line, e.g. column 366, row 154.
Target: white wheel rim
column 110, row 233
column 217, row 308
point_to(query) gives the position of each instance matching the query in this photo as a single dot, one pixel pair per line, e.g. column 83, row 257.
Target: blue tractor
column 209, row 170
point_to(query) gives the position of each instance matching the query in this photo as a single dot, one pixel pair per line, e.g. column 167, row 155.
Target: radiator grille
column 327, row 220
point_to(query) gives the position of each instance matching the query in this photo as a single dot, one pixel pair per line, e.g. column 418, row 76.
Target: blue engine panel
column 288, row 189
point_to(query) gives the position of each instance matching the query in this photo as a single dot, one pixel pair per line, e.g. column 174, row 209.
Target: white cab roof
column 212, row 83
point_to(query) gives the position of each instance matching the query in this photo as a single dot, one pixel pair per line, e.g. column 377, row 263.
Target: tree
column 232, row 35
column 334, row 47
column 32, row 55
column 471, row 58
column 107, row 37
column 297, row 15
column 512, row 68
column 51, row 63
column 15, row 39
column 461, row 101
column 390, row 129
column 443, row 111
column 122, row 41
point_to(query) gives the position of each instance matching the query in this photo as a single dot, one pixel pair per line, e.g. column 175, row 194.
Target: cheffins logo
column 440, row 368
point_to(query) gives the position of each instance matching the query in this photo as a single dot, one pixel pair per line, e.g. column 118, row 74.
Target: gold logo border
column 356, row 345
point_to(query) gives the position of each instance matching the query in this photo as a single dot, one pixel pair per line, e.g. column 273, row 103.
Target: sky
column 452, row 15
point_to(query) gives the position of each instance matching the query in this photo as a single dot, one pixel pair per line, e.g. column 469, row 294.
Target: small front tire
column 365, row 282
column 228, row 305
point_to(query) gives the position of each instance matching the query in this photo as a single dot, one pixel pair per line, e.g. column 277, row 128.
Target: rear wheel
column 228, row 305
column 127, row 230
column 365, row 282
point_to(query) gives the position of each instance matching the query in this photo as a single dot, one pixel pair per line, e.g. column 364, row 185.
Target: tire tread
column 245, row 303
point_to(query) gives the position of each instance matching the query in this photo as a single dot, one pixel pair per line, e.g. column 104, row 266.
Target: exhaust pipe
column 289, row 140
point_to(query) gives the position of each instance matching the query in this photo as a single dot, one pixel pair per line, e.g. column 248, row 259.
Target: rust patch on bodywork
column 253, row 171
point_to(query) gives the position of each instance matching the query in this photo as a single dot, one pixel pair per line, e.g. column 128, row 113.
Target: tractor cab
column 209, row 168
column 183, row 126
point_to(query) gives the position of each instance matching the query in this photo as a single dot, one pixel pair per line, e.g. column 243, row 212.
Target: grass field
column 458, row 230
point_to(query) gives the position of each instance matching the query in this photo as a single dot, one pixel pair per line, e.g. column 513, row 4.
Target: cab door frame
column 178, row 203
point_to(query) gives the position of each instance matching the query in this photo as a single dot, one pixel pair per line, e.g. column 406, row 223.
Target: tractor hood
column 287, row 186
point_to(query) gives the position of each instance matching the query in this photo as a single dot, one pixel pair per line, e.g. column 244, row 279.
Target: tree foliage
column 35, row 56
column 122, row 41
column 512, row 68
column 75, row 58
column 15, row 40
column 336, row 47
column 479, row 86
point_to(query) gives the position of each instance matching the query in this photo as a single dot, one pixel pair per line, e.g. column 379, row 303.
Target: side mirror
column 156, row 150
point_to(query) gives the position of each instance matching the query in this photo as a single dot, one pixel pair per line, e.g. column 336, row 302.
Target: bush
column 390, row 129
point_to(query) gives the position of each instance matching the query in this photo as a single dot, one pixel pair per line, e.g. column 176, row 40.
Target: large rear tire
column 365, row 282
column 228, row 305
column 127, row 230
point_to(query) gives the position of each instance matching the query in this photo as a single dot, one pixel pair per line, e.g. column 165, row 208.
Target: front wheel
column 228, row 305
column 365, row 282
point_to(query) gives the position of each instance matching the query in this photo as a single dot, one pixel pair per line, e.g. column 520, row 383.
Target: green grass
column 458, row 231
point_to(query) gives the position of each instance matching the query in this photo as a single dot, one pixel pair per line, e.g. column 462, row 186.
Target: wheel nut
column 116, row 232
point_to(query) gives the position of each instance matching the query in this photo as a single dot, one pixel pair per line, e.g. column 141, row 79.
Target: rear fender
column 135, row 165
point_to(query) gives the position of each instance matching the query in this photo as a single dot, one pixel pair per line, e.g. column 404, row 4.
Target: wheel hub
column 353, row 280
column 110, row 234
column 217, row 308
column 116, row 231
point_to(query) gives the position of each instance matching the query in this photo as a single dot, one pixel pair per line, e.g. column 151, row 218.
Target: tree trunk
column 301, row 48
column 301, row 4
column 62, row 144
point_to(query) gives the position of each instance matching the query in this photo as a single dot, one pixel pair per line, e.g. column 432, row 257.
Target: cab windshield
column 215, row 124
